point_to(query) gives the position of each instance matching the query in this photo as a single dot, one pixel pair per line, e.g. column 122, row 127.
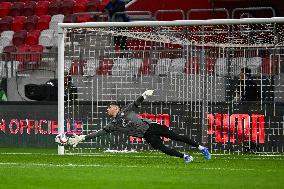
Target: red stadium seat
column 23, row 55
column 192, row 66
column 43, row 22
column 5, row 23
column 7, row 53
column 54, row 7
column 32, row 37
column 67, row 7
column 31, row 23
column 18, row 23
column 105, row 67
column 29, row 8
column 211, row 65
column 269, row 66
column 83, row 18
column 80, row 6
column 92, row 6
column 102, row 5
column 17, row 9
column 37, row 49
column 42, row 8
column 5, row 9
column 77, row 67
column 19, row 37
column 145, row 68
column 68, row 19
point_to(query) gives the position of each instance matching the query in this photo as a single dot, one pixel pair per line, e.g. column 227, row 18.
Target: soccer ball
column 61, row 139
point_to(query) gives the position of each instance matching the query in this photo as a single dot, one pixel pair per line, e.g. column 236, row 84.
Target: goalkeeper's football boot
column 187, row 158
column 206, row 153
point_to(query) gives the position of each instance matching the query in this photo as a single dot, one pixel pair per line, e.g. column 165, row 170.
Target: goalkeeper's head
column 113, row 109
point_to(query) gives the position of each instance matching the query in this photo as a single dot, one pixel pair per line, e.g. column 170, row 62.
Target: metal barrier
column 207, row 10
column 101, row 17
column 170, row 11
column 254, row 9
column 136, row 15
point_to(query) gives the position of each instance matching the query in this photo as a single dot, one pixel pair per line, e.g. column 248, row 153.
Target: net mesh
column 194, row 71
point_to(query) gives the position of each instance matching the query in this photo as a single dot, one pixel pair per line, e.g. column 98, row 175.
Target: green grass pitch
column 43, row 168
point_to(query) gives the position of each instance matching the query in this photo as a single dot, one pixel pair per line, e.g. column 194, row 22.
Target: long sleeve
column 134, row 105
column 96, row 134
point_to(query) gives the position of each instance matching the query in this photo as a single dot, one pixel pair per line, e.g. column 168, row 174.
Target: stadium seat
column 211, row 61
column 91, row 67
column 43, row 22
column 68, row 19
column 45, row 38
column 102, row 5
column 42, row 8
column 145, row 68
column 67, row 7
column 105, row 67
column 5, row 9
column 80, row 6
column 18, row 23
column 77, row 67
column 236, row 64
column 83, row 18
column 92, row 6
column 221, row 66
column 254, row 64
column 55, row 39
column 269, row 66
column 23, row 55
column 192, row 66
column 133, row 67
column 162, row 66
column 5, row 23
column 6, row 38
column 38, row 50
column 177, row 66
column 120, row 66
column 17, row 9
column 29, row 8
column 31, row 23
column 54, row 7
column 55, row 19
column 19, row 37
column 7, row 53
column 33, row 37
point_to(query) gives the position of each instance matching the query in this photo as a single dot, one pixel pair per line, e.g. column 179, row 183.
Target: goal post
column 191, row 64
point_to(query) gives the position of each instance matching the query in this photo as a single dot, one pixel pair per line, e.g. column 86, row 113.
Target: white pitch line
column 124, row 166
column 159, row 155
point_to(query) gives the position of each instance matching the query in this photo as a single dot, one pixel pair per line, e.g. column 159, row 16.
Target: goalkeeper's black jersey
column 128, row 122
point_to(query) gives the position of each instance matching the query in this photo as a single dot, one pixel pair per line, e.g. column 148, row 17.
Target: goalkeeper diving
column 126, row 120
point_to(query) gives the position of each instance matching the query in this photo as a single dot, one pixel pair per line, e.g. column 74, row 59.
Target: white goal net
column 194, row 68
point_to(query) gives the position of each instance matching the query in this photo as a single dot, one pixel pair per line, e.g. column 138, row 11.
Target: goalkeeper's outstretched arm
column 75, row 140
column 138, row 101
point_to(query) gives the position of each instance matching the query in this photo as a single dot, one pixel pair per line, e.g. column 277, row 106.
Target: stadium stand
column 19, row 37
column 17, row 9
column 5, row 23
column 5, row 9
column 42, row 8
column 18, row 23
column 43, row 22
column 6, row 38
column 29, row 8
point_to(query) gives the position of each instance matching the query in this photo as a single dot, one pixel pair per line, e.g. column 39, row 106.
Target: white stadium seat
column 46, row 38
column 163, row 66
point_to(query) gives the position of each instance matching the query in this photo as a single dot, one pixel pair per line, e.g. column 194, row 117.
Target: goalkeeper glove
column 147, row 93
column 75, row 140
